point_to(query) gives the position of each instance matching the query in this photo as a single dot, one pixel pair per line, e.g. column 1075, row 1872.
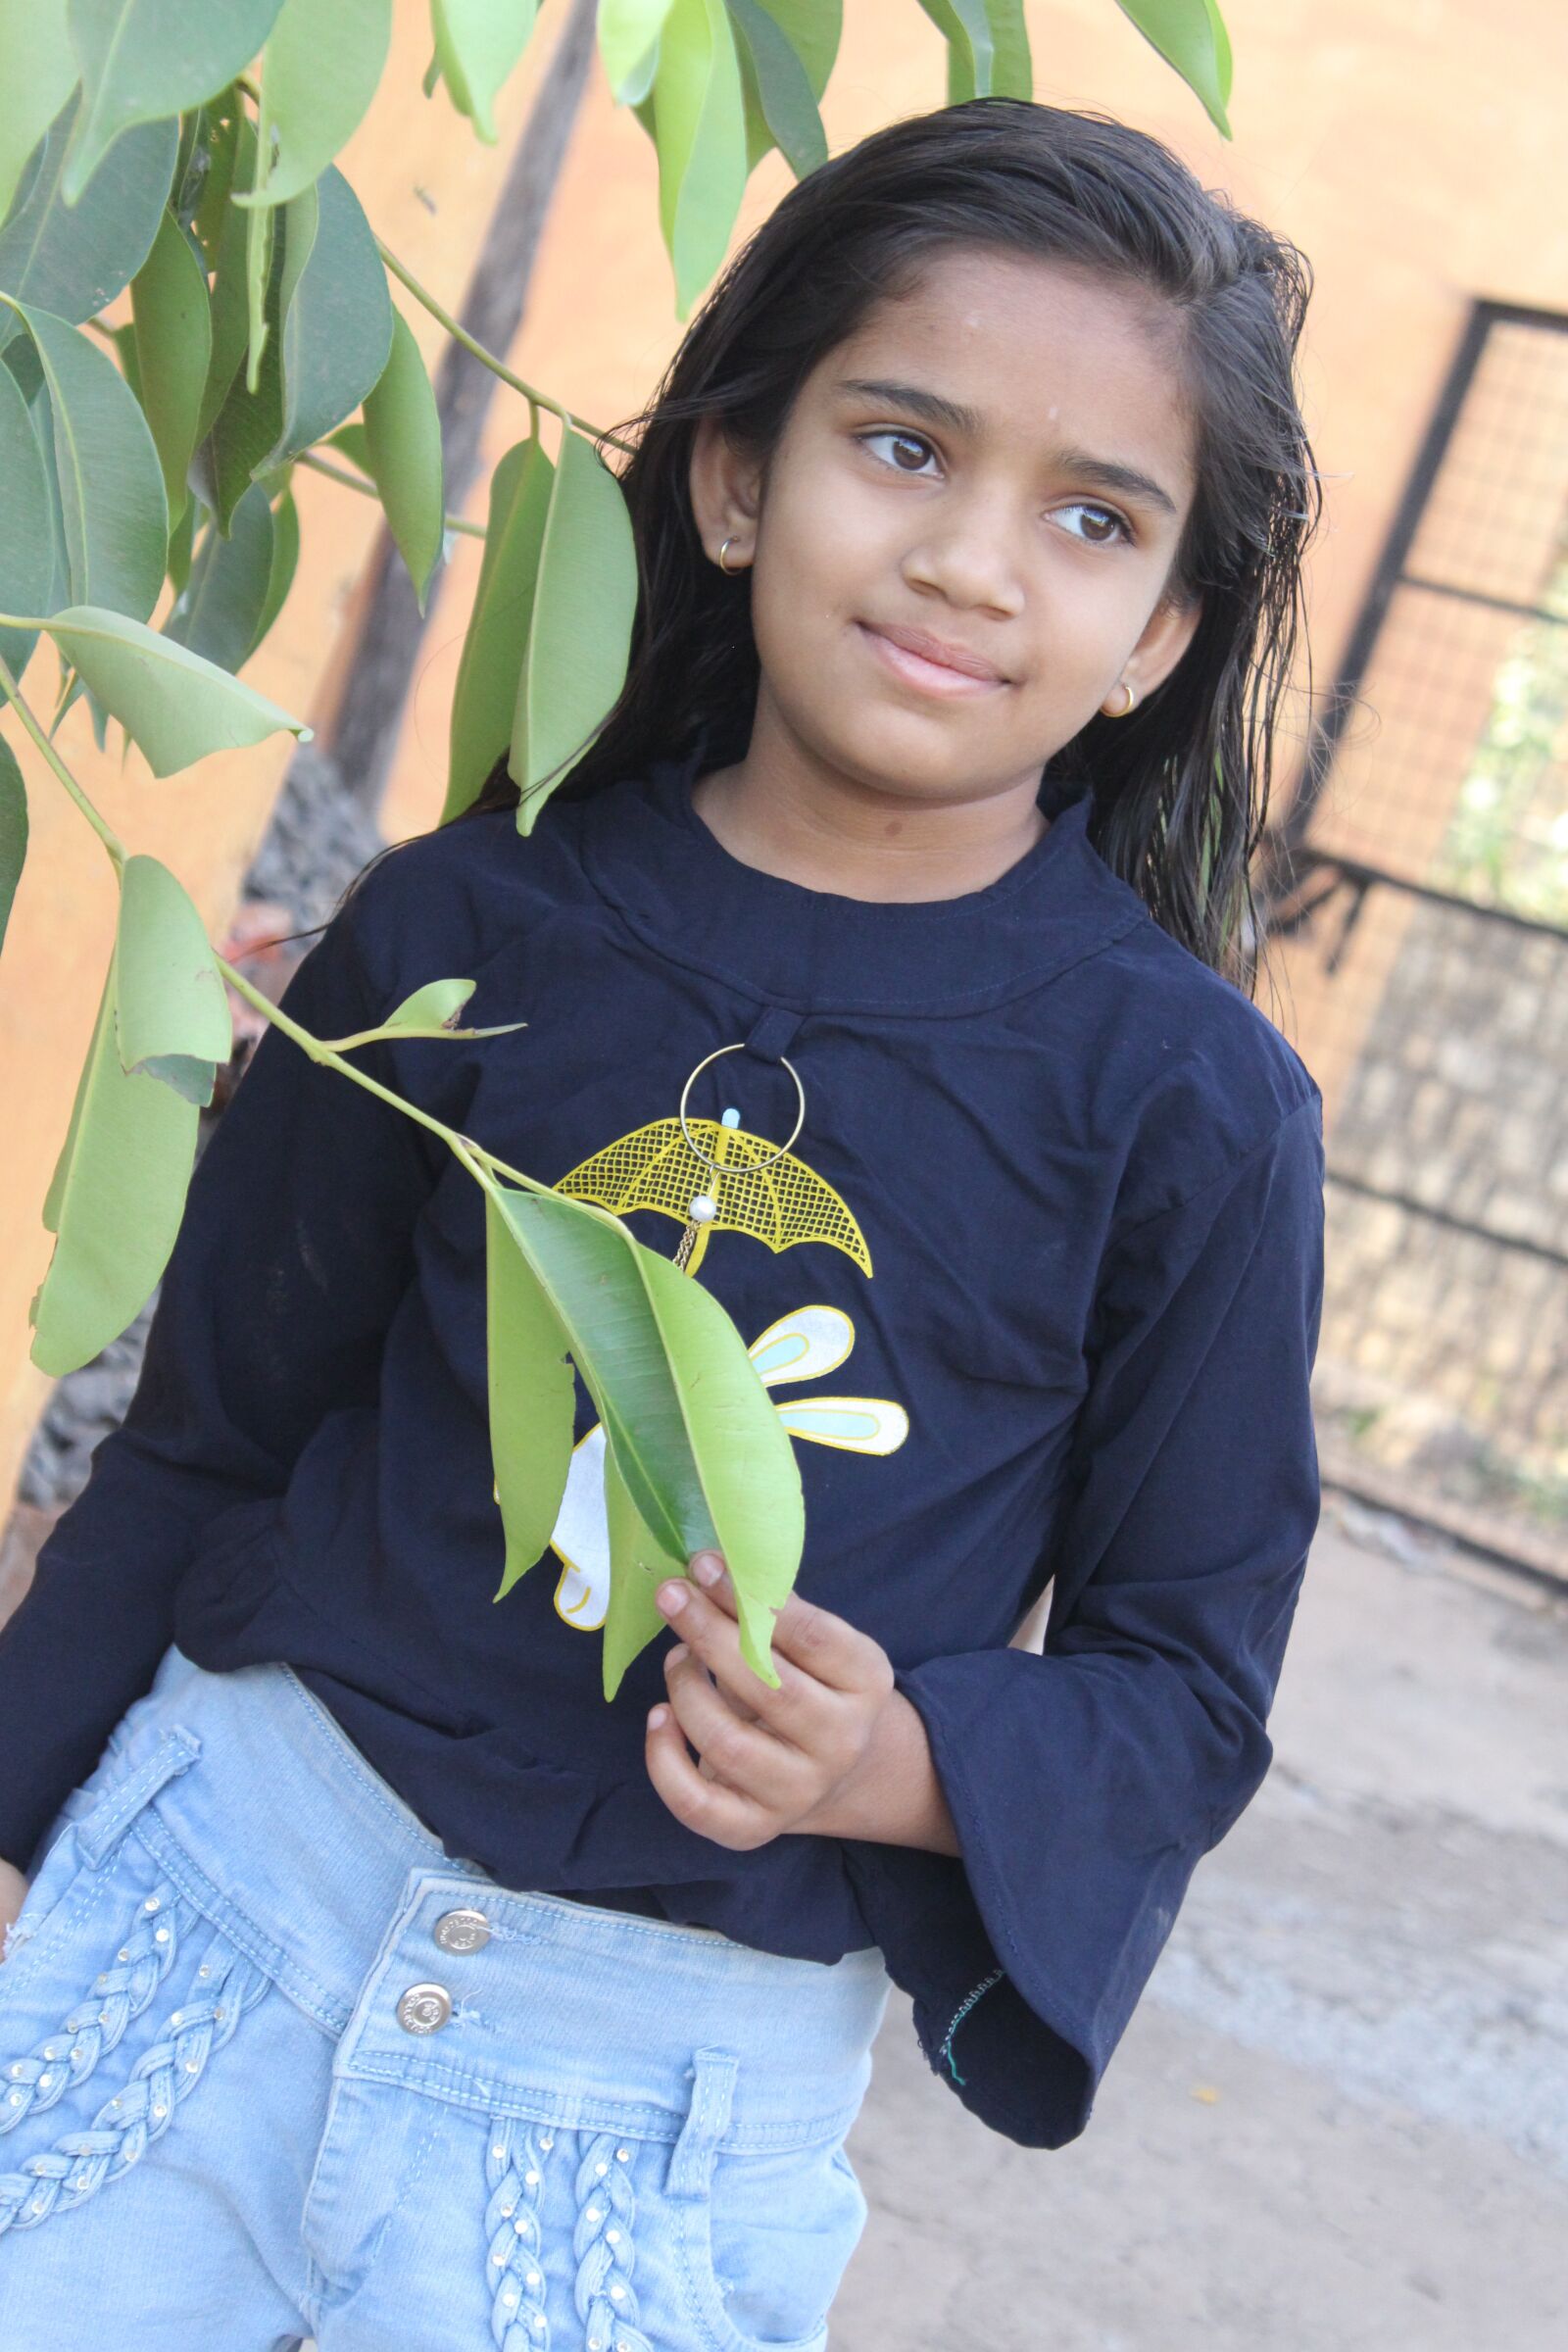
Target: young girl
column 377, row 1978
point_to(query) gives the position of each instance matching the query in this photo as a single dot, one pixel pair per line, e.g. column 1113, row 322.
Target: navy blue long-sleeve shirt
column 1042, row 1306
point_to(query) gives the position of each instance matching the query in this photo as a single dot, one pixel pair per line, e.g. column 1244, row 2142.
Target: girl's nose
column 967, row 558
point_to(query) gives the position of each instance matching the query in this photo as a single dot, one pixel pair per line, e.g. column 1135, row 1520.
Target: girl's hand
column 13, row 1894
column 836, row 1751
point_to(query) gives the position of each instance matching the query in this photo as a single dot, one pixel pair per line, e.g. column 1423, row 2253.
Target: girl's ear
column 725, row 493
column 1168, row 632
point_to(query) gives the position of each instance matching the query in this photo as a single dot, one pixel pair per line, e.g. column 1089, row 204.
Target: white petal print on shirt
column 802, row 1346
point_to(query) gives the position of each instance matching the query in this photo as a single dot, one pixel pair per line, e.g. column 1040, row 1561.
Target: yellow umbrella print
column 756, row 1189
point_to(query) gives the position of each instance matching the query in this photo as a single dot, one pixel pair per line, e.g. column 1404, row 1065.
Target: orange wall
column 1410, row 146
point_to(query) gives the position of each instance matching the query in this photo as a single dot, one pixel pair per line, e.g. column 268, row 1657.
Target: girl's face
column 992, row 472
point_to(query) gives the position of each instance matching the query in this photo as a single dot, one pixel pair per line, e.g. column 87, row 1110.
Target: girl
column 377, row 1979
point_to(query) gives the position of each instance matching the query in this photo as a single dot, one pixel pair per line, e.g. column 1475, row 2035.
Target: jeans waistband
column 266, row 1816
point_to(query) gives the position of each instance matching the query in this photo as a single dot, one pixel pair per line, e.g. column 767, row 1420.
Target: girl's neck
column 787, row 816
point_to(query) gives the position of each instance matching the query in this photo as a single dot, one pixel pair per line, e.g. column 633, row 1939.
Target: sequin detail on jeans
column 81, row 2161
column 65, row 2057
column 602, row 2243
column 513, row 2168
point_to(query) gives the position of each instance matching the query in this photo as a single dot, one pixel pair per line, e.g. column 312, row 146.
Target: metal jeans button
column 424, row 2007
column 461, row 1931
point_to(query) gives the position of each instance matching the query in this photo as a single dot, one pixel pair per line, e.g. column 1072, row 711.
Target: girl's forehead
column 1026, row 346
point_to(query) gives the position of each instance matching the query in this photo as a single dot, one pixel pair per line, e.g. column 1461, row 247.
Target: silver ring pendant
column 752, row 1166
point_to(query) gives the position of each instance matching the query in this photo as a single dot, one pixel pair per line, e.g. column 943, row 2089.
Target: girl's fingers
column 707, row 1806
column 708, row 1626
column 826, row 1648
column 743, row 1755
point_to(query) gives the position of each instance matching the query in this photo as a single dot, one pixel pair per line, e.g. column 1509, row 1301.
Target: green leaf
column 813, row 28
column 700, row 1446
column 1191, row 35
column 190, row 164
column 638, row 1565
column 320, row 72
column 114, row 515
column 965, row 26
column 171, row 1008
column 247, row 425
column 349, row 440
column 403, row 455
column 114, row 1201
column 579, row 630
column 432, row 1011
column 173, row 335
column 435, row 1005
column 637, row 91
column 490, row 669
column 30, row 99
column 229, row 299
column 285, row 561
column 261, row 248
column 177, row 707
column 220, row 152
column 220, row 612
column 71, row 259
column 144, row 61
column 628, row 31
column 700, row 130
column 585, row 1264
column 338, row 328
column 533, row 1398
column 27, row 527
column 477, row 42
column 182, row 540
column 12, row 832
column 124, row 338
column 1224, row 63
column 1012, row 71
column 751, row 1481
column 784, row 95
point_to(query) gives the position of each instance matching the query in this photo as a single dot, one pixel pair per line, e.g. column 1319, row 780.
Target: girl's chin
column 894, row 763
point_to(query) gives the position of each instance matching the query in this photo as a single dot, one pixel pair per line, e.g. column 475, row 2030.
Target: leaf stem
column 324, row 1054
column 459, row 334
column 367, row 489
column 481, row 1164
column 14, row 696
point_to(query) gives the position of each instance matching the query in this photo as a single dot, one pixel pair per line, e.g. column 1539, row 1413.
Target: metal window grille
column 1420, row 885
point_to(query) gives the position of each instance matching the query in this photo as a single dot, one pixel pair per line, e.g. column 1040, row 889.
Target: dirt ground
column 1340, row 2117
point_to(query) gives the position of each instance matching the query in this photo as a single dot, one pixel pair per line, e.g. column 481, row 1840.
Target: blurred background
column 1342, row 2117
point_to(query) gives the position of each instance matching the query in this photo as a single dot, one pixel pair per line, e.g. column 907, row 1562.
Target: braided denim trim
column 68, row 2055
column 605, row 2255
column 81, row 2161
column 516, row 2267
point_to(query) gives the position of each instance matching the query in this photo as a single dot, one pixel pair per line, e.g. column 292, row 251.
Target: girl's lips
column 927, row 677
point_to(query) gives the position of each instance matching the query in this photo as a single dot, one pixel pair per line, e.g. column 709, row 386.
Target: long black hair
column 1180, row 789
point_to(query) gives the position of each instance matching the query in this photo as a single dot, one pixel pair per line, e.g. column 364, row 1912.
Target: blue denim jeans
column 273, row 2065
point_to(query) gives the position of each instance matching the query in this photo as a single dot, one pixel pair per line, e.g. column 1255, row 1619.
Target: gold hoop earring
column 722, row 553
column 1127, row 707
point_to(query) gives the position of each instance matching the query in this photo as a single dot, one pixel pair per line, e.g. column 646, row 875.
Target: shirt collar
column 646, row 851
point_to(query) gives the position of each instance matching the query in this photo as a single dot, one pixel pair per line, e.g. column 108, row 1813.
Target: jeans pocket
column 767, row 2234
column 73, row 1849
column 770, row 2246
column 104, row 1932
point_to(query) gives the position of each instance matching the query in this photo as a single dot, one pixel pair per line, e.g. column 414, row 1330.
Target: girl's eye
column 1102, row 524
column 904, row 444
